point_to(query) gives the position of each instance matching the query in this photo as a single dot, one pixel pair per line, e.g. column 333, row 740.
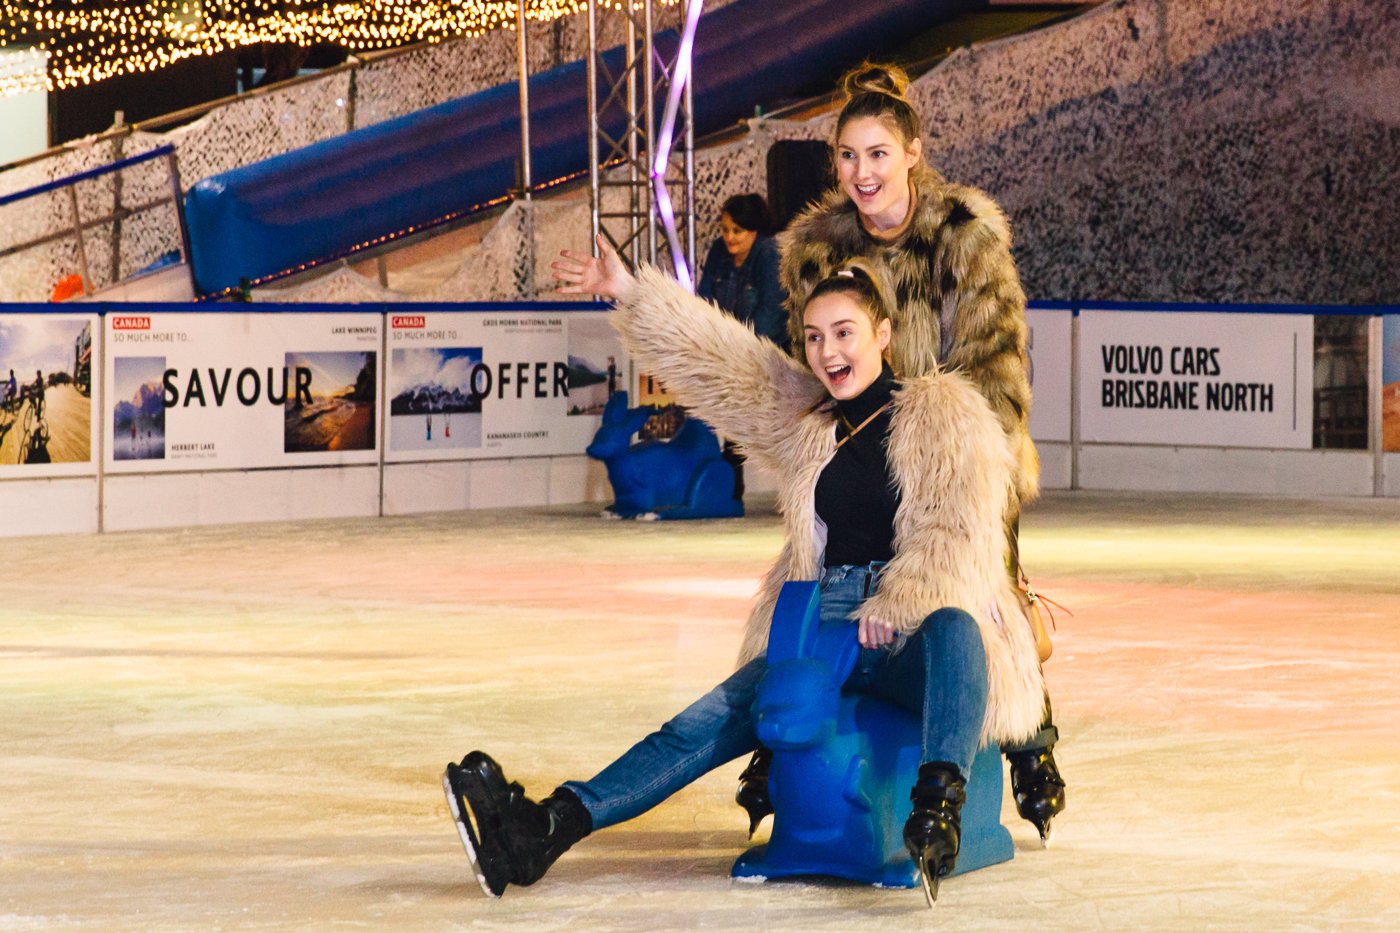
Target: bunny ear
column 838, row 646
column 637, row 417
column 795, row 622
column 616, row 408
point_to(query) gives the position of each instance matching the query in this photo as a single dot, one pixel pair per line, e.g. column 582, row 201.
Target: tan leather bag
column 1030, row 605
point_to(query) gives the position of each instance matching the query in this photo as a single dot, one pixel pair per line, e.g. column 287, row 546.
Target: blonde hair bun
column 870, row 78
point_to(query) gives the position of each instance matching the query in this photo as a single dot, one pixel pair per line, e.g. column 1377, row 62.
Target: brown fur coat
column 958, row 298
column 946, row 451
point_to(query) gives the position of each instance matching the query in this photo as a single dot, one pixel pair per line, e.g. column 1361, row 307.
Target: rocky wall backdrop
column 1196, row 150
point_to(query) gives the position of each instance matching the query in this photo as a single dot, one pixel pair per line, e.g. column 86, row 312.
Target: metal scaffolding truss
column 626, row 207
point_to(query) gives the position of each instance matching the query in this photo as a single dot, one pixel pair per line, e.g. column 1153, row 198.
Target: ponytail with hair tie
column 863, row 281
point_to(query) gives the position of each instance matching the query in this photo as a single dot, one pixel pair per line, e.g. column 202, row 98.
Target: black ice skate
column 509, row 838
column 1037, row 787
column 933, row 832
column 753, row 789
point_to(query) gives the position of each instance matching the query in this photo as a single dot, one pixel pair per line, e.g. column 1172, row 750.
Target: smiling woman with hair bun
column 957, row 305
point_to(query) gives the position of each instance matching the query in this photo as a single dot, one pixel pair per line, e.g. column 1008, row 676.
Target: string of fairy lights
column 58, row 44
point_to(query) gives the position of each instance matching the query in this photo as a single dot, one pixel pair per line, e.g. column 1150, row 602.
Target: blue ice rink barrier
column 331, row 198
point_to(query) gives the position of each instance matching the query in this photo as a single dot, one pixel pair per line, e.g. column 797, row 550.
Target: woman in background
column 741, row 276
column 741, row 270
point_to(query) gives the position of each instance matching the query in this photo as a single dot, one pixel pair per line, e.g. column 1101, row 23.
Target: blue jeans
column 939, row 674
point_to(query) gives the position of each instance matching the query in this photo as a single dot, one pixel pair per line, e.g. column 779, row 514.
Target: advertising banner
column 216, row 391
column 1390, row 383
column 1051, row 361
column 491, row 384
column 47, row 423
column 1196, row 378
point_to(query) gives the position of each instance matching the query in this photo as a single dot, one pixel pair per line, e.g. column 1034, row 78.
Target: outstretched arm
column 742, row 385
column 581, row 274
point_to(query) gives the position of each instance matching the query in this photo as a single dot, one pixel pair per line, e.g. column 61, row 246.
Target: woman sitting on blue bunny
column 892, row 496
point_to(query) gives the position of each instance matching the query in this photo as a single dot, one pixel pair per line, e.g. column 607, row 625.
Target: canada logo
column 131, row 322
column 408, row 320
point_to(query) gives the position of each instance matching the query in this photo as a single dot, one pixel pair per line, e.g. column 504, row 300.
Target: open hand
column 875, row 632
column 604, row 275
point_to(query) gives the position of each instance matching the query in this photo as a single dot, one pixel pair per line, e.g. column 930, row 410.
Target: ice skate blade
column 464, row 831
column 755, row 821
column 1046, row 835
column 930, row 886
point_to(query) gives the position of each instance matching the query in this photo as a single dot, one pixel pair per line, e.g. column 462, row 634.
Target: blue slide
column 327, row 199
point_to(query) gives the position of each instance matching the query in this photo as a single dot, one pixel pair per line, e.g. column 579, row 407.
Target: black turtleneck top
column 856, row 497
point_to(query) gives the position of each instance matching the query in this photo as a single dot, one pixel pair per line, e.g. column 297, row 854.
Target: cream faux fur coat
column 946, row 450
column 958, row 303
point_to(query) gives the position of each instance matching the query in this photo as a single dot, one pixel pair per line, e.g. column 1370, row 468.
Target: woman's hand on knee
column 604, row 274
column 875, row 632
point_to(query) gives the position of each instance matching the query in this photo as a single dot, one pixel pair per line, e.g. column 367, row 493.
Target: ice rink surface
column 243, row 728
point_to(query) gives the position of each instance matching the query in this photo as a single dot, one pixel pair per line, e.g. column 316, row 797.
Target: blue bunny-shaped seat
column 684, row 477
column 843, row 765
